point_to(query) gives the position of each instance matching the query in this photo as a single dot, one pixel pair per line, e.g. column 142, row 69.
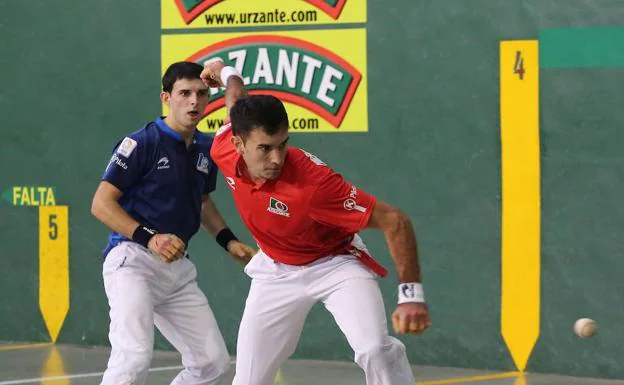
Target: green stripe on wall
column 582, row 47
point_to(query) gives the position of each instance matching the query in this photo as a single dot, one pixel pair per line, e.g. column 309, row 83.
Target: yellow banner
column 254, row 13
column 319, row 75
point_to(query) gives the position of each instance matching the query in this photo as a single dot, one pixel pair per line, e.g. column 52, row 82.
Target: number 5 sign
column 54, row 267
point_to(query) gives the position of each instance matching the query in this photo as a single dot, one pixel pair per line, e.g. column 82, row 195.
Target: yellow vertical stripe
column 521, row 380
column 53, row 267
column 54, row 367
column 520, row 156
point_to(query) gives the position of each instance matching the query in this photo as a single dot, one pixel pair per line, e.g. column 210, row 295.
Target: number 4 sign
column 519, row 65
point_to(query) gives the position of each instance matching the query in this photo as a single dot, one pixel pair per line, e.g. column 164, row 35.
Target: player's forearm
column 402, row 245
column 110, row 212
column 211, row 219
column 234, row 90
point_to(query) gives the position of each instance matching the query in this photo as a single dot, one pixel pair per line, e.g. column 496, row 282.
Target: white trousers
column 279, row 300
column 142, row 292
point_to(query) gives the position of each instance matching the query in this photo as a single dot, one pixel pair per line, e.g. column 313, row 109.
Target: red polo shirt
column 309, row 212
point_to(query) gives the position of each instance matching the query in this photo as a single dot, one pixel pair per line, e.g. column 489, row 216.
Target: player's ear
column 238, row 143
column 164, row 97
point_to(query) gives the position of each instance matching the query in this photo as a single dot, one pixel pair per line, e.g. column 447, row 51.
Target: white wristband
column 411, row 292
column 228, row 71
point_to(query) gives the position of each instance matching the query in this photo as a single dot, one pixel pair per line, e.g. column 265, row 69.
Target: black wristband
column 143, row 234
column 224, row 237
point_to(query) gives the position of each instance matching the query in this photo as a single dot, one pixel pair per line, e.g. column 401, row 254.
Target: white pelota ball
column 585, row 327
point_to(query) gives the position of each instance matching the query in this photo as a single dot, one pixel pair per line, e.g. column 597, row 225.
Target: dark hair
column 180, row 70
column 258, row 111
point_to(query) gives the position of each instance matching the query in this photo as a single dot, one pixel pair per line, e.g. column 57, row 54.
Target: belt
column 367, row 260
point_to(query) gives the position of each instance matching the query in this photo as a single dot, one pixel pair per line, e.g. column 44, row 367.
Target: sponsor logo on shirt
column 278, row 207
column 230, row 181
column 126, row 147
column 203, row 164
column 223, row 128
column 163, row 163
column 117, row 160
column 314, row 159
column 350, row 204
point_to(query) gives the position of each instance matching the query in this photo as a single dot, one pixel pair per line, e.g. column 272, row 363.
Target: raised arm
column 216, row 74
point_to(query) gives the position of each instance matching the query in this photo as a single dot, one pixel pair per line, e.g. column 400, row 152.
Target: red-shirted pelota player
column 305, row 218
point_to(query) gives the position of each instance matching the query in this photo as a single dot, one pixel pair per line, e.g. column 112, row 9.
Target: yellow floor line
column 24, row 346
column 460, row 380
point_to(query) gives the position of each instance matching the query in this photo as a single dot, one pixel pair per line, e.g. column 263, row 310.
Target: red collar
column 241, row 172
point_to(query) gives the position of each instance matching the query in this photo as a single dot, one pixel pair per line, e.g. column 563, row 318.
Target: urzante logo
column 293, row 70
column 191, row 9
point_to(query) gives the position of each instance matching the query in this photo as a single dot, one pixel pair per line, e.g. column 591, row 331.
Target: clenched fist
column 241, row 252
column 168, row 246
column 410, row 317
column 211, row 75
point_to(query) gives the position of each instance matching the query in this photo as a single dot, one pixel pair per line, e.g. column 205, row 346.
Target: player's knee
column 211, row 369
column 139, row 364
column 380, row 354
column 208, row 374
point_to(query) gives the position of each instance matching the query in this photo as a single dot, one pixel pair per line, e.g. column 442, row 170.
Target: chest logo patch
column 278, row 207
column 203, row 164
column 163, row 163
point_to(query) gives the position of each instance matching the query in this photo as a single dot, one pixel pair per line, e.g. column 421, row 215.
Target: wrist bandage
column 411, row 292
column 228, row 71
column 224, row 237
column 142, row 235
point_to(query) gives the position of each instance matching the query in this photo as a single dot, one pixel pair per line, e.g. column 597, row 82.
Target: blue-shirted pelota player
column 154, row 195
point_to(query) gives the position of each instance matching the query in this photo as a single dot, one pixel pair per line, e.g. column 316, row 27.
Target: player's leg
column 357, row 306
column 275, row 311
column 186, row 320
column 131, row 331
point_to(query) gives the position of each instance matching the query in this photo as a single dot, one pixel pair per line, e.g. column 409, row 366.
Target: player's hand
column 168, row 246
column 211, row 75
column 411, row 317
column 241, row 252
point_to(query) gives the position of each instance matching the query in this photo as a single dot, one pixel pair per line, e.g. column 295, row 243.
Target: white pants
column 142, row 292
column 279, row 300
